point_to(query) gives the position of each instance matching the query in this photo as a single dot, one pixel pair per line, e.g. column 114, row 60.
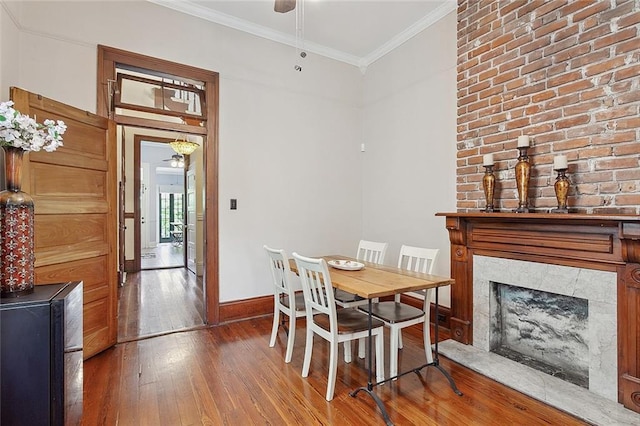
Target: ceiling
column 357, row 32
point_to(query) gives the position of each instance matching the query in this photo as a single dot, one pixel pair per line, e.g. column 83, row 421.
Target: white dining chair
column 283, row 295
column 369, row 251
column 397, row 315
column 332, row 324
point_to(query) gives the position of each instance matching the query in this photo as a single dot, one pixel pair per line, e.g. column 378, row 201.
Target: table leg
column 369, row 388
column 436, row 359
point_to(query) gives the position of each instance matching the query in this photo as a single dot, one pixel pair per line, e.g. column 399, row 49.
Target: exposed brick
column 614, row 38
column 594, row 129
column 622, row 175
column 628, row 123
column 631, row 19
column 543, row 96
column 616, row 163
column 587, row 59
column 609, row 187
column 613, row 138
column 577, row 95
column 626, row 149
column 561, row 101
column 564, row 79
column 595, row 152
column 598, row 6
column 612, row 113
column 567, row 32
column 628, row 72
column 577, row 86
column 571, row 144
column 594, row 33
column 627, row 199
column 632, row 45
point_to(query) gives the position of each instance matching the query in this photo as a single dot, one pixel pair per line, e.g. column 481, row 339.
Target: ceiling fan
column 284, row 6
column 177, row 160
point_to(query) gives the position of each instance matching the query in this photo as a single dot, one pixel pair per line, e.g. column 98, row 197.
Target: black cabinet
column 41, row 356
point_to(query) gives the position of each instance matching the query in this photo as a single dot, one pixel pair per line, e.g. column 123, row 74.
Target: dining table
column 374, row 281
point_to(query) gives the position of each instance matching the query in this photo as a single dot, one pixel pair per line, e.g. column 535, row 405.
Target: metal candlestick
column 562, row 188
column 523, row 171
column 488, row 183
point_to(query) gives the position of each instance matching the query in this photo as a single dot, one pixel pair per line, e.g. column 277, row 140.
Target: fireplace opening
column 543, row 330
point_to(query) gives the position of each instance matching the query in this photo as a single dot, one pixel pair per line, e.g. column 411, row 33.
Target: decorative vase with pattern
column 17, row 257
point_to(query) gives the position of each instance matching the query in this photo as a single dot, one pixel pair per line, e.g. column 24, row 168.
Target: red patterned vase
column 16, row 230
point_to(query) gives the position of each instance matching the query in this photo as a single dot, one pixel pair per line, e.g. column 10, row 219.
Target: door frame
column 108, row 59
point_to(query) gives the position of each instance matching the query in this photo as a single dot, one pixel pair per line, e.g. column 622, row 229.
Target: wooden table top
column 379, row 280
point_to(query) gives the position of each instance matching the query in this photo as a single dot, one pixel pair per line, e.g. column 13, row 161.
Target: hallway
column 159, row 301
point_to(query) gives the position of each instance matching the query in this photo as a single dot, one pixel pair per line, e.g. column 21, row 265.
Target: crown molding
column 409, row 33
column 193, row 9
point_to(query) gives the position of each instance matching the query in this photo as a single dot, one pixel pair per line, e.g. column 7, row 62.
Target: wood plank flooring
column 228, row 375
column 159, row 301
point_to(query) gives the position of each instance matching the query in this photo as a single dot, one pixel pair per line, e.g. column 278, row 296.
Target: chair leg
column 308, row 348
column 380, row 357
column 361, row 348
column 274, row 328
column 393, row 351
column 347, row 351
column 400, row 339
column 292, row 337
column 333, row 369
column 427, row 341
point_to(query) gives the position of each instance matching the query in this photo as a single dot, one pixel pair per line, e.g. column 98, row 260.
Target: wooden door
column 190, row 241
column 75, row 195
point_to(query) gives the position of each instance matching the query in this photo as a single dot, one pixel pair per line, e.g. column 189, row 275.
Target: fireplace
column 595, row 257
column 564, row 319
column 543, row 330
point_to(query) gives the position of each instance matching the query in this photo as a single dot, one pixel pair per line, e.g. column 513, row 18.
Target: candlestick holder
column 562, row 189
column 523, row 172
column 488, row 183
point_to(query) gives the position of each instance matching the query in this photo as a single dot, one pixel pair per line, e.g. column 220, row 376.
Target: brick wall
column 565, row 72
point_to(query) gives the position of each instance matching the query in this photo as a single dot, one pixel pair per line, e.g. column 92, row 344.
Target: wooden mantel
column 603, row 242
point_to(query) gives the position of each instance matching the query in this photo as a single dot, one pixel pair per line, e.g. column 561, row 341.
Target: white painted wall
column 409, row 130
column 289, row 141
column 9, row 49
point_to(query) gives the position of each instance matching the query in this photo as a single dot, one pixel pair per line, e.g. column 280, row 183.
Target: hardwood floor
column 158, row 301
column 228, row 375
column 165, row 255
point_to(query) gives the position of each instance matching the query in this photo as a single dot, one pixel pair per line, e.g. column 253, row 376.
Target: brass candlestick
column 488, row 183
column 562, row 189
column 523, row 171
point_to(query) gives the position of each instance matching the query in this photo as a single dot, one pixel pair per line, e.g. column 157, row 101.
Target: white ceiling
column 357, row 32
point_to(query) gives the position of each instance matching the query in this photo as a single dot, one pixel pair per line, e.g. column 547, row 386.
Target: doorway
column 162, row 207
column 183, row 101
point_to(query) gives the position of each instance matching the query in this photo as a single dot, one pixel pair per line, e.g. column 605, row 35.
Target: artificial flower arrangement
column 21, row 131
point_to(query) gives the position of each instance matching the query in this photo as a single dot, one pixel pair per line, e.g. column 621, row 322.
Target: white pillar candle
column 487, row 160
column 523, row 141
column 560, row 162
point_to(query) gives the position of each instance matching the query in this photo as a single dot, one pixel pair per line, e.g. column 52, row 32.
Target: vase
column 17, row 257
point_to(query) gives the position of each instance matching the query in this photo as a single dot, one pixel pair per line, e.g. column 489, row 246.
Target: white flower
column 21, row 131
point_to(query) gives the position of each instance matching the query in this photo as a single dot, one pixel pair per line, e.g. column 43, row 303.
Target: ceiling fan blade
column 284, row 6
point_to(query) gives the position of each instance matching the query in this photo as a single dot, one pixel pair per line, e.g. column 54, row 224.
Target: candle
column 487, row 160
column 559, row 162
column 523, row 141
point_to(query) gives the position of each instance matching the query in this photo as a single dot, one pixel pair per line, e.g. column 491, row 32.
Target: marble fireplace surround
column 586, row 243
column 598, row 287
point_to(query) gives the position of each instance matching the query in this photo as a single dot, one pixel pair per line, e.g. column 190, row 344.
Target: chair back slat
column 316, row 285
column 371, row 251
column 279, row 266
column 417, row 259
